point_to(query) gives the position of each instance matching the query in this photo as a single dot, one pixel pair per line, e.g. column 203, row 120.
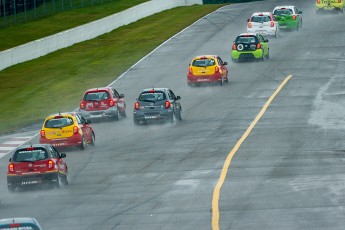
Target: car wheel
column 11, row 188
column 222, row 81
column 65, row 179
column 93, row 138
column 117, row 115
column 178, row 115
column 171, row 120
column 136, row 121
column 59, row 183
column 82, row 145
column 123, row 114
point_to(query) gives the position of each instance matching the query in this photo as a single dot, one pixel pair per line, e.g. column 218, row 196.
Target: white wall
column 85, row 32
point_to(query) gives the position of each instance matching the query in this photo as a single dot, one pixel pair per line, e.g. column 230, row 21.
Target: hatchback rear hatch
column 284, row 14
column 97, row 100
column 262, row 22
column 203, row 66
column 246, row 43
column 59, row 127
column 151, row 101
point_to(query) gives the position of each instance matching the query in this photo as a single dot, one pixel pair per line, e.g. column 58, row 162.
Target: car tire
column 123, row 114
column 136, row 121
column 178, row 115
column 11, row 188
column 59, row 183
column 65, row 179
column 83, row 144
column 221, row 81
column 93, row 139
column 117, row 115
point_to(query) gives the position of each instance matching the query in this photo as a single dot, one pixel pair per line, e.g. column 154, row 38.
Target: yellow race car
column 329, row 5
column 66, row 130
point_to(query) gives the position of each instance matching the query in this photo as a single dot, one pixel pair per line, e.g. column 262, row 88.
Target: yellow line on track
column 216, row 191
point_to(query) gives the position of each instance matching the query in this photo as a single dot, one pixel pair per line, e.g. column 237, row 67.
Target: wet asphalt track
column 288, row 174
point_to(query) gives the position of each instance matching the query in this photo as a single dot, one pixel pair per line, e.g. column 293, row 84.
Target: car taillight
column 272, row 24
column 137, row 105
column 14, row 225
column 111, row 103
column 42, row 133
column 294, row 17
column 249, row 25
column 217, row 69
column 258, row 46
column 190, row 71
column 234, row 47
column 167, row 104
column 82, row 105
column 11, row 167
column 318, row 1
column 75, row 129
column 50, row 164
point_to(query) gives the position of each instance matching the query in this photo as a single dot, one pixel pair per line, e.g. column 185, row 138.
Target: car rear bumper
column 246, row 55
column 204, row 79
column 99, row 114
column 75, row 140
column 270, row 32
column 288, row 24
column 329, row 7
column 153, row 115
column 30, row 180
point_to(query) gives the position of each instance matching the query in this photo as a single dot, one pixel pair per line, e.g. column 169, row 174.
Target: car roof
column 261, row 13
column 156, row 89
column 28, row 220
column 33, row 145
column 99, row 89
column 62, row 114
column 247, row 34
column 206, row 55
column 281, row 7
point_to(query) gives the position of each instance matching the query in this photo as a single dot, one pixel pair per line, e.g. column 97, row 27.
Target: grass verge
column 32, row 90
column 22, row 33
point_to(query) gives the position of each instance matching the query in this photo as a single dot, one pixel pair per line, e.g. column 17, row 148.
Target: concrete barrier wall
column 85, row 32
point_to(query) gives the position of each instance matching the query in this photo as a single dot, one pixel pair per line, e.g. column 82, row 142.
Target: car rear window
column 96, row 96
column 203, row 62
column 246, row 39
column 22, row 227
column 264, row 18
column 58, row 122
column 30, row 154
column 152, row 96
column 282, row 12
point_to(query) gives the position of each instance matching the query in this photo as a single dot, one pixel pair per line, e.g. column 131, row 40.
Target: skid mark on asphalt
column 12, row 143
column 216, row 191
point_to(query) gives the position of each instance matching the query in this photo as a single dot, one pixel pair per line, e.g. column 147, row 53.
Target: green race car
column 250, row 46
column 288, row 17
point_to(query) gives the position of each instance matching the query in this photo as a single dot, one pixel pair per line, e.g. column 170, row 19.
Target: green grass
column 22, row 33
column 32, row 90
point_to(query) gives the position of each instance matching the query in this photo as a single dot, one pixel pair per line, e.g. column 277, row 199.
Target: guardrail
column 85, row 32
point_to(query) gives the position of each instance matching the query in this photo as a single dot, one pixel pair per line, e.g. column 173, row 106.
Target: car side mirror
column 178, row 97
column 10, row 159
column 266, row 40
column 189, row 64
column 248, row 20
column 122, row 95
column 63, row 155
column 225, row 63
column 88, row 121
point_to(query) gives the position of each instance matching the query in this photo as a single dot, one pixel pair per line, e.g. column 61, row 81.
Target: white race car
column 263, row 23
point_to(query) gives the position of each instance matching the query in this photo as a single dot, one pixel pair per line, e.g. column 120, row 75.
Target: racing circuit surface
column 288, row 173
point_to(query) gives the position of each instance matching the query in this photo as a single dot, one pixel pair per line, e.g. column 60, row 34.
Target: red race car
column 106, row 102
column 36, row 165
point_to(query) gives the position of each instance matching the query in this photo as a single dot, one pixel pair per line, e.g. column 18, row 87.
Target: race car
column 20, row 223
column 330, row 5
column 207, row 69
column 288, row 17
column 36, row 165
column 67, row 130
column 157, row 104
column 105, row 102
column 263, row 23
column 250, row 46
